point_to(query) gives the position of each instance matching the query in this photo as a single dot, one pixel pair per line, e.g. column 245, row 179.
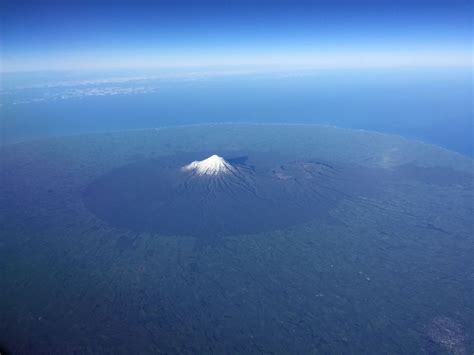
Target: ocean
column 433, row 106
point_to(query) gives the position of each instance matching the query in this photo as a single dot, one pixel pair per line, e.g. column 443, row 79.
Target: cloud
column 79, row 93
column 107, row 86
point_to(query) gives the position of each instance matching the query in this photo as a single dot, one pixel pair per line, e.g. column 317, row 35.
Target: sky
column 75, row 35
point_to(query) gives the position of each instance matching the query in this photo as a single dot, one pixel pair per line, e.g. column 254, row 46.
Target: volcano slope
column 214, row 197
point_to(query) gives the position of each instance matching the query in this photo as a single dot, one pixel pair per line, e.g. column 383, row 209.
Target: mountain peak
column 214, row 165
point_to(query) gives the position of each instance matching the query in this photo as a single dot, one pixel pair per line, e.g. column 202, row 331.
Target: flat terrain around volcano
column 330, row 241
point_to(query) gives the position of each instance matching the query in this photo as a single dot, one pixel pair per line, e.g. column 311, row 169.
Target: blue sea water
column 434, row 106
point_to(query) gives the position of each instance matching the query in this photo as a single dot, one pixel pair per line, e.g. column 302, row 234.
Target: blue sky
column 64, row 35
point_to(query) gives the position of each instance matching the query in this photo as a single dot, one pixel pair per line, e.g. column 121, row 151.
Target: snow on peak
column 214, row 165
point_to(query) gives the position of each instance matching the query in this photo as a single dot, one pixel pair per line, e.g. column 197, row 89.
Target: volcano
column 215, row 197
column 214, row 165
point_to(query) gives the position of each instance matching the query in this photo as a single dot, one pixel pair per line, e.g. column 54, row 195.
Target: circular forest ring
column 260, row 192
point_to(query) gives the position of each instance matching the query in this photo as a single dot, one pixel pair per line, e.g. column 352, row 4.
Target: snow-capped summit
column 214, row 165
